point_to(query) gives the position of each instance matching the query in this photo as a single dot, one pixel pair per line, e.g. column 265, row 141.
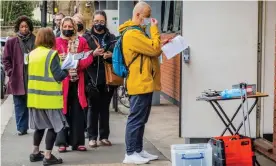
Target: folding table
column 220, row 112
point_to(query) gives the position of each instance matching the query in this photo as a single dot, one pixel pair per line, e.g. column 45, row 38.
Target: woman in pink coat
column 74, row 98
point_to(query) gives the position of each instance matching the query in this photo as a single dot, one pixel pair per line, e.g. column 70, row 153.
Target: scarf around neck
column 24, row 37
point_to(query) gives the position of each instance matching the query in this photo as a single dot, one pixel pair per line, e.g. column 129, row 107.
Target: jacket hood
column 125, row 25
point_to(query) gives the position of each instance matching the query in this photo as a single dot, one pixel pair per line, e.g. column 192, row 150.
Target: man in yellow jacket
column 143, row 78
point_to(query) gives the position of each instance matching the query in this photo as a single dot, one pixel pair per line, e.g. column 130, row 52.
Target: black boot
column 36, row 157
column 52, row 161
column 20, row 133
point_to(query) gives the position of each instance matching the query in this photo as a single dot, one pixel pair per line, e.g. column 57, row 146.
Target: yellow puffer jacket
column 144, row 72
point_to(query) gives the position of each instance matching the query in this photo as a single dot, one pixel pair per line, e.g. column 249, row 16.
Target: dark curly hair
column 20, row 19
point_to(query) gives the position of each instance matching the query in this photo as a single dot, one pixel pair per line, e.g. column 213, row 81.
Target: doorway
column 268, row 79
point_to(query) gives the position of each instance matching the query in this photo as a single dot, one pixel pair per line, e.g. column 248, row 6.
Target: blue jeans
column 21, row 112
column 140, row 106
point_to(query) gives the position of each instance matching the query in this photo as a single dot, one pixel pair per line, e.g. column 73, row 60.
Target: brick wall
column 170, row 74
column 9, row 31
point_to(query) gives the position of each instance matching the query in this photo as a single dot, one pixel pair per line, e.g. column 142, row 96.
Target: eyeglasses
column 99, row 22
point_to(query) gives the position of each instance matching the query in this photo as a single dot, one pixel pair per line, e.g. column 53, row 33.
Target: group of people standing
column 71, row 102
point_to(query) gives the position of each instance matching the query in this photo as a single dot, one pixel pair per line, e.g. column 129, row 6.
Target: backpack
column 118, row 62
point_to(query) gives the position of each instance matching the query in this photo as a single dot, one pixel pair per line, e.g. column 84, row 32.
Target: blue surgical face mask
column 146, row 21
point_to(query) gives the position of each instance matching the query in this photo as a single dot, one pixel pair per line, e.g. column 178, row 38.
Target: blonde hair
column 80, row 16
column 75, row 27
column 139, row 7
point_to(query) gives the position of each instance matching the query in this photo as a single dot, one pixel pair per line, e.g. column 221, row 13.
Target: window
column 97, row 5
column 106, row 5
column 102, row 5
column 112, row 5
column 171, row 16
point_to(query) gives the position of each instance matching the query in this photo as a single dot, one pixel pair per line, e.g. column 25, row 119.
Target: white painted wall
column 269, row 21
column 223, row 40
column 112, row 24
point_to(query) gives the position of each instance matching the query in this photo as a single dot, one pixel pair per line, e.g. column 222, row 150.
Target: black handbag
column 91, row 88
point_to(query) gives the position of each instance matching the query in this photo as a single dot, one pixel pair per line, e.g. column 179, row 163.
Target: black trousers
column 74, row 135
column 98, row 114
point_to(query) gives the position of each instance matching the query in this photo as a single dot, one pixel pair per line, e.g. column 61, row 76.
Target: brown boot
column 105, row 142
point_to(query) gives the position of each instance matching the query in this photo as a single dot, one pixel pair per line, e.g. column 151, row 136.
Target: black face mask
column 80, row 27
column 68, row 33
column 99, row 27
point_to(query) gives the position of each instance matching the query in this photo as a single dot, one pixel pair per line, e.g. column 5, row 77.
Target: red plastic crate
column 238, row 150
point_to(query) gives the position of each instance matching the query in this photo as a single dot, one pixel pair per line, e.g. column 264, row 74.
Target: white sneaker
column 146, row 155
column 135, row 158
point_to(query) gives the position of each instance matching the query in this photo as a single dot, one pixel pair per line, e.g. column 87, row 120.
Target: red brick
column 170, row 73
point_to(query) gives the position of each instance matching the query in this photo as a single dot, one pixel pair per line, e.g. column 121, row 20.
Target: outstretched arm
column 56, row 70
column 142, row 44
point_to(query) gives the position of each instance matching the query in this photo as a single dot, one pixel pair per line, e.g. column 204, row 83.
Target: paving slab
column 162, row 130
column 16, row 149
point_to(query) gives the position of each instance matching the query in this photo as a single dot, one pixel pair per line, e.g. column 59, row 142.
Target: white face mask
column 146, row 21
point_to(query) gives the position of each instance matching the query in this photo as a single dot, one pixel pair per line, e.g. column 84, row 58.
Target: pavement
column 161, row 132
column 16, row 149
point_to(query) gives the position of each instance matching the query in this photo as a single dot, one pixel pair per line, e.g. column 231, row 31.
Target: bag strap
column 90, row 77
column 96, row 42
column 132, row 27
column 132, row 60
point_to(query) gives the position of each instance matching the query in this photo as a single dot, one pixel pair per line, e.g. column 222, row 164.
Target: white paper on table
column 69, row 62
column 174, row 47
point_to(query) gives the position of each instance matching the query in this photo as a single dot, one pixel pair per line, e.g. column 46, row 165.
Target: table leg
column 225, row 115
column 233, row 117
column 221, row 117
column 250, row 110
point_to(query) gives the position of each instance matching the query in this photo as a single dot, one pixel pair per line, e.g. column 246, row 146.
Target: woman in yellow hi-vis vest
column 45, row 101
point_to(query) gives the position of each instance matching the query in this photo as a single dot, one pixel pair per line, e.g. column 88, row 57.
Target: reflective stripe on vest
column 44, row 78
column 42, row 92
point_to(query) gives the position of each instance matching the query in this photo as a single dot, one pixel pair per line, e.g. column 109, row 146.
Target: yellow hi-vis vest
column 44, row 92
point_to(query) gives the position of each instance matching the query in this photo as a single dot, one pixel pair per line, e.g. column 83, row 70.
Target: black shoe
column 52, row 161
column 36, row 157
column 19, row 133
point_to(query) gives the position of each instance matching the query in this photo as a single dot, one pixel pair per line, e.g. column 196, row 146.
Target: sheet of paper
column 81, row 55
column 69, row 62
column 174, row 47
column 72, row 59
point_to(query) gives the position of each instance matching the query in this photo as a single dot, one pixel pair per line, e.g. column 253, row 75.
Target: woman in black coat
column 100, row 97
